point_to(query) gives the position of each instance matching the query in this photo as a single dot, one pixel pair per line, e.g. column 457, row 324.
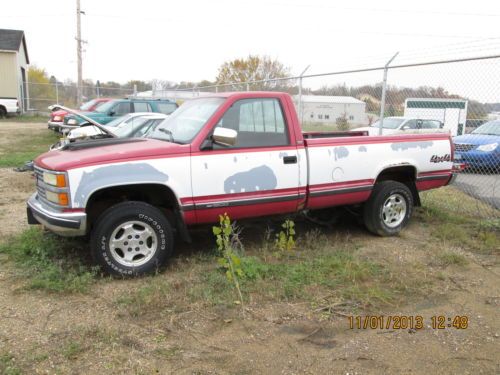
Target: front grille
column 463, row 147
column 39, row 184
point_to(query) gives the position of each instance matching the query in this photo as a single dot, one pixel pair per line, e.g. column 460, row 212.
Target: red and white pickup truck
column 240, row 153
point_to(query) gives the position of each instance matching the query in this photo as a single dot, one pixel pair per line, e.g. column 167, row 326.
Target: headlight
column 72, row 121
column 488, row 148
column 58, row 180
column 57, row 118
column 58, row 198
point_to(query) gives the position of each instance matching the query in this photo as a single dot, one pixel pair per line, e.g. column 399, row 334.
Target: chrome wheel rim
column 394, row 210
column 133, row 243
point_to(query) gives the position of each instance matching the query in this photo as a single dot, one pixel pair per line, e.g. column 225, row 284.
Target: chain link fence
column 41, row 95
column 459, row 96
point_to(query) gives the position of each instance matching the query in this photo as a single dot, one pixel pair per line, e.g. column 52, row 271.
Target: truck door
column 257, row 176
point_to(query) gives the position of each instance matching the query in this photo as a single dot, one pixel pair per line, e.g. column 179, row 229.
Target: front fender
column 85, row 182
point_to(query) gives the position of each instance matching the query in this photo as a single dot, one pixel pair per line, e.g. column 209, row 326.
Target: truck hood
column 115, row 151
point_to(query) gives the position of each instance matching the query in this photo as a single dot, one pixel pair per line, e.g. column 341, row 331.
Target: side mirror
column 405, row 127
column 111, row 113
column 224, row 137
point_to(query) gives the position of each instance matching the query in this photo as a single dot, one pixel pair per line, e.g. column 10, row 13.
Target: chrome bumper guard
column 68, row 224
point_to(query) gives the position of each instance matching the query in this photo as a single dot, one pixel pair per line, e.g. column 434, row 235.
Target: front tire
column 389, row 208
column 131, row 239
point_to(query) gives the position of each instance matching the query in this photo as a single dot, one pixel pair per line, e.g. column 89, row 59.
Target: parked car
column 243, row 154
column 480, row 150
column 399, row 125
column 128, row 126
column 119, row 107
column 9, row 106
column 57, row 117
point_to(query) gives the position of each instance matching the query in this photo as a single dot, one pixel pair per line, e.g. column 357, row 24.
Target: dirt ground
column 49, row 333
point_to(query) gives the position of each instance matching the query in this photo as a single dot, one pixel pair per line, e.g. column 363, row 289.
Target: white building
column 14, row 66
column 451, row 112
column 327, row 109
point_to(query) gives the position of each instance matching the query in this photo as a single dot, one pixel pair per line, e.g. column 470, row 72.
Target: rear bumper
column 67, row 224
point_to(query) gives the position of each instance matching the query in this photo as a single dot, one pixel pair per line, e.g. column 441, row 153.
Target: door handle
column 290, row 159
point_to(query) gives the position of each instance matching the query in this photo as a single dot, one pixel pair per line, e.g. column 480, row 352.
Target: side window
column 430, row 124
column 410, row 124
column 121, row 109
column 259, row 123
column 142, row 107
column 166, row 108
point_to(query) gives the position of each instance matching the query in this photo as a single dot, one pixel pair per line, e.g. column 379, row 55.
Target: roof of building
column 11, row 40
column 330, row 99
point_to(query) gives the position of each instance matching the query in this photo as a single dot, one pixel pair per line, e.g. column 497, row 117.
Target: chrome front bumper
column 68, row 224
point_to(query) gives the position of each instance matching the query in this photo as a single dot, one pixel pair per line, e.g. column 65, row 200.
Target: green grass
column 450, row 258
column 25, row 118
column 154, row 296
column 49, row 262
column 340, row 272
column 457, row 219
column 72, row 350
column 25, row 147
column 8, row 366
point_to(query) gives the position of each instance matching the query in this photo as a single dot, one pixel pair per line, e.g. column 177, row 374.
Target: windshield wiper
column 169, row 133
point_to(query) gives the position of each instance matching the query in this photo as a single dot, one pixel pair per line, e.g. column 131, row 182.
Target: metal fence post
column 384, row 89
column 301, row 117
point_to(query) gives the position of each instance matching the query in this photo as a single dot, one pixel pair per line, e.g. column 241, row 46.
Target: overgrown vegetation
column 49, row 262
column 285, row 239
column 227, row 238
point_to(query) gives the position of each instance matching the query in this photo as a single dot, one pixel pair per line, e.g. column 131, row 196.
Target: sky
column 188, row 40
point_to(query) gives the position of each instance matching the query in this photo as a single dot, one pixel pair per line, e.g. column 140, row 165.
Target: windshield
column 183, row 125
column 105, row 107
column 130, row 126
column 490, row 128
column 88, row 105
column 119, row 120
column 389, row 123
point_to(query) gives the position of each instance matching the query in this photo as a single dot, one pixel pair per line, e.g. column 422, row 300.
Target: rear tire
column 389, row 208
column 3, row 112
column 131, row 239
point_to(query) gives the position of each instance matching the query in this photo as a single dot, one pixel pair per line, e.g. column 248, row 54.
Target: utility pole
column 79, row 53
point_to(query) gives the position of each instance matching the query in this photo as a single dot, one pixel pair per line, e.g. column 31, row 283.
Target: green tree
column 254, row 68
column 42, row 92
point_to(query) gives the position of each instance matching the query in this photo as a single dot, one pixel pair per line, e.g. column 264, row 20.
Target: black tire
column 3, row 112
column 373, row 211
column 146, row 226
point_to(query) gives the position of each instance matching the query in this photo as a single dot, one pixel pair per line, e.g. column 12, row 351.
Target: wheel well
column 3, row 108
column 156, row 195
column 405, row 174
